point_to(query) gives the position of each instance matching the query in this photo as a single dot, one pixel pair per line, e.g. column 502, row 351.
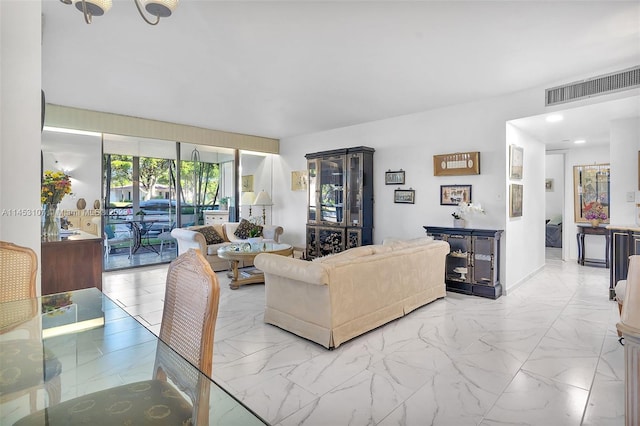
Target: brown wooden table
column 246, row 252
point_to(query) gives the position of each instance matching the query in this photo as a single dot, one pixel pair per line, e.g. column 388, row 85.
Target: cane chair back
column 18, row 267
column 17, row 272
column 190, row 310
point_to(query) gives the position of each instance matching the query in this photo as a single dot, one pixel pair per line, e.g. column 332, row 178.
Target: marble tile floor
column 546, row 354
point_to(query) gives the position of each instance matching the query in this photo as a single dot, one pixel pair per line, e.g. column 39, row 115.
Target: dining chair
column 18, row 272
column 188, row 322
column 27, row 367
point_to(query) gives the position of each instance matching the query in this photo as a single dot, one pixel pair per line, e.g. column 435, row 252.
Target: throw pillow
column 243, row 231
column 210, row 235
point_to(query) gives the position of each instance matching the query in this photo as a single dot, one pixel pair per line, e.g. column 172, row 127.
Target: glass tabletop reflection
column 92, row 344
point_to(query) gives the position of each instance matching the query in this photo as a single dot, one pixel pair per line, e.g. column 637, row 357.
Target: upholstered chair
column 188, row 322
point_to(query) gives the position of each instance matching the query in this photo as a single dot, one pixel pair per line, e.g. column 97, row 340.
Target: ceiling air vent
column 601, row 85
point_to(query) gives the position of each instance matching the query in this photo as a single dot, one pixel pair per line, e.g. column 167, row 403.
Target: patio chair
column 165, row 237
column 188, row 323
column 111, row 238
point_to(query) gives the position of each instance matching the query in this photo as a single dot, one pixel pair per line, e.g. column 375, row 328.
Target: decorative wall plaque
column 457, row 164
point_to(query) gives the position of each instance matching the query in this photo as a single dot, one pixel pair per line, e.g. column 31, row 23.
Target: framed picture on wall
column 299, row 180
column 247, row 183
column 591, row 184
column 406, row 196
column 452, row 195
column 516, row 161
column 515, row 200
column 394, row 178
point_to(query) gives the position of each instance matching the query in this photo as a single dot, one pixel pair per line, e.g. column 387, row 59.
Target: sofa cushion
column 244, row 228
column 210, row 235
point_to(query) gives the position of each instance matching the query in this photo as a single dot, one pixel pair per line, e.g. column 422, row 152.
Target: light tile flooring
column 546, row 354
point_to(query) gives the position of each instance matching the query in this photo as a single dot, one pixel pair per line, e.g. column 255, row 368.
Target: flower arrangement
column 51, row 305
column 466, row 208
column 55, row 185
column 256, row 231
column 595, row 211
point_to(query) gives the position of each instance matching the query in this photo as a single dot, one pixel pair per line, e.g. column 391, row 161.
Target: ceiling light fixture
column 157, row 8
column 579, row 141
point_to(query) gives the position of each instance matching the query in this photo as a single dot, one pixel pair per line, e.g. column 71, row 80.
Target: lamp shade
column 263, row 199
column 247, row 198
column 94, row 7
column 161, row 8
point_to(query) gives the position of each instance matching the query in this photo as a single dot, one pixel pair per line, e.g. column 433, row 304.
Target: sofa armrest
column 187, row 239
column 294, row 269
column 272, row 232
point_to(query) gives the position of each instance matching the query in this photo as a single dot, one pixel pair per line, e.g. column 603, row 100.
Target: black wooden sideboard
column 625, row 242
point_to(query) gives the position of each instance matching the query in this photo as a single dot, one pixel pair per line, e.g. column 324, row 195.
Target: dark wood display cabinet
column 473, row 264
column 340, row 202
column 71, row 263
column 625, row 242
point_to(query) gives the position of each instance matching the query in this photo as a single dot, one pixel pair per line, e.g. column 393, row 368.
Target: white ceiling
column 281, row 69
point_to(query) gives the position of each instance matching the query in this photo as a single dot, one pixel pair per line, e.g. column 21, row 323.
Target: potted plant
column 463, row 209
column 224, row 203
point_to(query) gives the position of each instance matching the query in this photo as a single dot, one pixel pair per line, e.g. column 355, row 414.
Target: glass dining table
column 91, row 344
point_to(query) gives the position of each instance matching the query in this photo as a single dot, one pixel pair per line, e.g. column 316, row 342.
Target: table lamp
column 247, row 199
column 263, row 199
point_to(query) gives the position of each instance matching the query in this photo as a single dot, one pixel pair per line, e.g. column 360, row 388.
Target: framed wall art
column 515, row 200
column 394, row 178
column 247, row 183
column 407, row 196
column 516, row 161
column 591, row 185
column 299, row 180
column 452, row 195
column 457, row 164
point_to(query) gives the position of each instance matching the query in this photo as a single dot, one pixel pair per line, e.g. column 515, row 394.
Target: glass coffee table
column 246, row 252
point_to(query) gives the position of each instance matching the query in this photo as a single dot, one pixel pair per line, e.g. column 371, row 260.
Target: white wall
column 525, row 247
column 260, row 166
column 409, row 143
column 625, row 144
column 554, row 199
column 20, row 79
column 81, row 157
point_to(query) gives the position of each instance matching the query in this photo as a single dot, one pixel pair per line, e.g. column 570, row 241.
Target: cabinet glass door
column 457, row 265
column 332, row 180
column 483, row 260
column 354, row 200
column 313, row 190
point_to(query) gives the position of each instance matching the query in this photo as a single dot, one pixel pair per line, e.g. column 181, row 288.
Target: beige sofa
column 188, row 238
column 335, row 298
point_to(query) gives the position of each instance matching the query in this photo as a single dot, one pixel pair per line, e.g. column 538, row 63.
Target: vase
column 50, row 222
column 459, row 223
column 595, row 222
